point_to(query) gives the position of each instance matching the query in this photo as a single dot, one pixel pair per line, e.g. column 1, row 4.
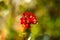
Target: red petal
column 26, row 14
column 23, row 21
column 27, row 26
column 29, row 20
column 34, row 20
column 32, row 14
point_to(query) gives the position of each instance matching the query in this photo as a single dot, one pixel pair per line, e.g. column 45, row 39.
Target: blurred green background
column 46, row 11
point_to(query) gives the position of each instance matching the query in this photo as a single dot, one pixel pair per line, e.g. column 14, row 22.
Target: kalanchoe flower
column 28, row 18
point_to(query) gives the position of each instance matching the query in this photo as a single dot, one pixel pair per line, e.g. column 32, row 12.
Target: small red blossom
column 29, row 18
column 27, row 26
column 23, row 21
column 26, row 14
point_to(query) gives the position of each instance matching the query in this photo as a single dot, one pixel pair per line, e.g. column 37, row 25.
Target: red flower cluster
column 27, row 19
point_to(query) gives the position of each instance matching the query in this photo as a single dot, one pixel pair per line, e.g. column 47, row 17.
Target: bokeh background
column 46, row 11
